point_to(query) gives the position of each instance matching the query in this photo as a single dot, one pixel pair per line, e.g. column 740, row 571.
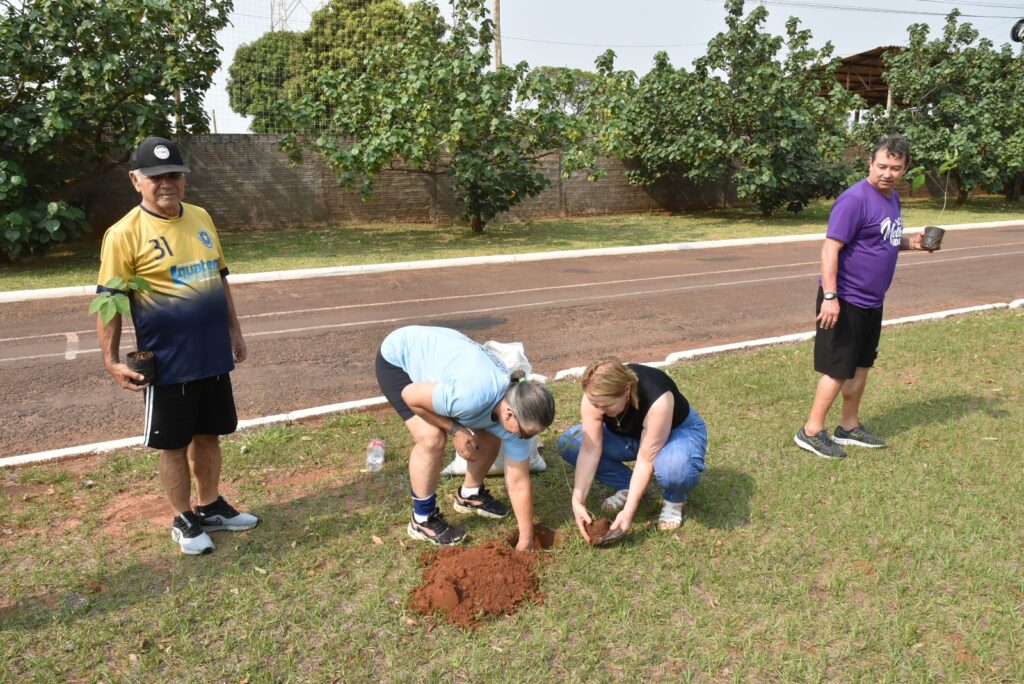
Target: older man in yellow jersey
column 188, row 321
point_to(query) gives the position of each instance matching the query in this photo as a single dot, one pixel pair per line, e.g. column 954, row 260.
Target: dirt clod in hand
column 597, row 529
column 543, row 537
column 466, row 585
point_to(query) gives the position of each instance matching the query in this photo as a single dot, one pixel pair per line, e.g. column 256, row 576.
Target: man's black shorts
column 176, row 413
column 392, row 380
column 851, row 344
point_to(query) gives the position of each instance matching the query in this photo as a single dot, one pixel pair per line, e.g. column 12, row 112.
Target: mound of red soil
column 466, row 585
column 597, row 529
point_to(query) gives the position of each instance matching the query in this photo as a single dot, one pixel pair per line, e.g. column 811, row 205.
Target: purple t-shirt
column 871, row 226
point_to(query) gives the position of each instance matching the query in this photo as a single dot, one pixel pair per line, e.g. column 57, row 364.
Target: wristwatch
column 829, row 296
column 456, row 426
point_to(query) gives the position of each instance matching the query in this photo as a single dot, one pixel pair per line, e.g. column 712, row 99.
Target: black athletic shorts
column 176, row 413
column 851, row 344
column 392, row 381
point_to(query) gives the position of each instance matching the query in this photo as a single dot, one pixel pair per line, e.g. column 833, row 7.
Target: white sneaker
column 220, row 515
column 188, row 532
column 615, row 502
column 671, row 517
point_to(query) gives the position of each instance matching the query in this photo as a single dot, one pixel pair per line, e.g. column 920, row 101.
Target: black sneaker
column 187, row 530
column 481, row 503
column 436, row 530
column 819, row 443
column 220, row 515
column 858, row 436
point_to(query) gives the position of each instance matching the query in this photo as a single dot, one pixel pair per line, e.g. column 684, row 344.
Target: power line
column 872, row 10
column 598, row 45
column 1019, row 6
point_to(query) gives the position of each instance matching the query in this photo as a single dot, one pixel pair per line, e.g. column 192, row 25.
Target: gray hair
column 531, row 401
column 894, row 146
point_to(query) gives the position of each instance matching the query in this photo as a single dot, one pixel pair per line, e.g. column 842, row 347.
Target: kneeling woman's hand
column 582, row 516
column 622, row 521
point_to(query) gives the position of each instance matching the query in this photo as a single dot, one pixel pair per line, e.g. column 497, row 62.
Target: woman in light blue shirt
column 445, row 385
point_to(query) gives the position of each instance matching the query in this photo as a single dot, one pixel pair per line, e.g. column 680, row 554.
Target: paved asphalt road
column 312, row 342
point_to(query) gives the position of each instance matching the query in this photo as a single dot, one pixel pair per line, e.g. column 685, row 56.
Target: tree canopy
column 286, row 64
column 262, row 72
column 431, row 103
column 960, row 102
column 748, row 113
column 81, row 83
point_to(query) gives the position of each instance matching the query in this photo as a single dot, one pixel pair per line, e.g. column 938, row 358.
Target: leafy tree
column 743, row 114
column 286, row 64
column 603, row 126
column 80, row 83
column 571, row 87
column 343, row 32
column 261, row 72
column 960, row 102
column 762, row 121
column 430, row 103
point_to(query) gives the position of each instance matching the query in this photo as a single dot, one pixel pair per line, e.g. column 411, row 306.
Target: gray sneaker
column 858, row 436
column 819, row 443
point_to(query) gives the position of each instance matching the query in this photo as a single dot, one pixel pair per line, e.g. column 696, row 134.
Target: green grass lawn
column 895, row 565
column 254, row 251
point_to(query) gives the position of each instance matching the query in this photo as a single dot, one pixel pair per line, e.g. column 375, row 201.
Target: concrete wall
column 245, row 182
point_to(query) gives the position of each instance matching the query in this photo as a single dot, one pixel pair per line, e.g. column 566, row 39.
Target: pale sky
column 573, row 33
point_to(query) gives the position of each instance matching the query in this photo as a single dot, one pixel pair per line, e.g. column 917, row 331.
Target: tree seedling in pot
column 109, row 304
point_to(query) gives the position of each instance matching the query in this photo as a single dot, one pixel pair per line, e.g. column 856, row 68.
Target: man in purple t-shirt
column 858, row 260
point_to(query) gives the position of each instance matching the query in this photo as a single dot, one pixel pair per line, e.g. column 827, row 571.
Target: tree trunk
column 476, row 224
column 961, row 193
column 1013, row 187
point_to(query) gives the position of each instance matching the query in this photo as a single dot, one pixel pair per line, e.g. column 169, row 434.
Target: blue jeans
column 677, row 466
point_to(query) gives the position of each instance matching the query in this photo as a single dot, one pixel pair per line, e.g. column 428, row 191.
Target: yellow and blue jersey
column 184, row 320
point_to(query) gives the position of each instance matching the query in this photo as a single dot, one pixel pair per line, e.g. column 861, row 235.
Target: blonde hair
column 609, row 377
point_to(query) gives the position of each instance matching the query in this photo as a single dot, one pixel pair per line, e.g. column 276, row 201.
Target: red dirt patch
column 23, row 492
column 152, row 510
column 467, row 585
column 297, row 484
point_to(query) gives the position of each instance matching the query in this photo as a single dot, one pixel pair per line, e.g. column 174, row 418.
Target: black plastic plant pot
column 142, row 362
column 932, row 237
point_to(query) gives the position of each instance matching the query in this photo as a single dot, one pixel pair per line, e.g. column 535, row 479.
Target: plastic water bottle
column 375, row 455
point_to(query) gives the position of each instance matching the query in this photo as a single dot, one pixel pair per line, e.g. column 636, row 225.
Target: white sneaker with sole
column 220, row 515
column 188, row 532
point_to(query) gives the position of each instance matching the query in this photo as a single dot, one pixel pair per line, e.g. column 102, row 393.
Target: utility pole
column 497, row 34
column 278, row 15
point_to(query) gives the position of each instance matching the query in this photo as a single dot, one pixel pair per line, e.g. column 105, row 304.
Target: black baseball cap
column 155, row 156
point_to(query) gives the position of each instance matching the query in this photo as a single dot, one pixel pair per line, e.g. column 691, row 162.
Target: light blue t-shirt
column 470, row 380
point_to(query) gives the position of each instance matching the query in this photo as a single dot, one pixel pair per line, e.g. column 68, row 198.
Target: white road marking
column 72, row 346
column 934, row 261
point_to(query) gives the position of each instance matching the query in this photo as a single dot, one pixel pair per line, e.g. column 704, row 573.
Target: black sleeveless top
column 652, row 384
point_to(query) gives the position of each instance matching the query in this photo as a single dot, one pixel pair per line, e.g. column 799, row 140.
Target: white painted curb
column 568, row 373
column 329, row 271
